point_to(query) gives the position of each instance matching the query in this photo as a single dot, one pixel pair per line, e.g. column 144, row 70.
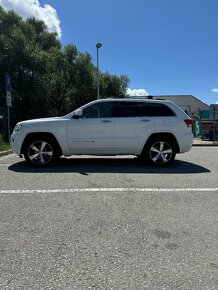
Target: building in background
column 188, row 103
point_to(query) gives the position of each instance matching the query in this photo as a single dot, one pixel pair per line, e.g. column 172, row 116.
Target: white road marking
column 131, row 189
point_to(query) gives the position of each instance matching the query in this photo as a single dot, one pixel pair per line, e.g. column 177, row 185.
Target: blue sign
column 8, row 83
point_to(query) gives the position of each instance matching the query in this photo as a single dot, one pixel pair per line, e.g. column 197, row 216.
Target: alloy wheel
column 161, row 153
column 40, row 152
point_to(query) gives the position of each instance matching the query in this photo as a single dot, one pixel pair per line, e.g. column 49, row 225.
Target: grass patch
column 4, row 147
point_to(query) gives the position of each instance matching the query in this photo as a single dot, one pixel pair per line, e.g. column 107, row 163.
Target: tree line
column 48, row 79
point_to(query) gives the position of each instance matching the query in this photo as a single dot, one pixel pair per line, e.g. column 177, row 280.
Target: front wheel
column 40, row 151
column 160, row 152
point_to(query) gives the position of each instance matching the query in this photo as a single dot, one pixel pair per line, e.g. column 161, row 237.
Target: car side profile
column 155, row 130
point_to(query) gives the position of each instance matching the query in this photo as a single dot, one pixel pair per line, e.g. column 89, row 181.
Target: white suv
column 153, row 129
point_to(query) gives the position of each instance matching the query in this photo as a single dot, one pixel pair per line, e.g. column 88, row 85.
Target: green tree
column 25, row 47
column 112, row 86
column 47, row 79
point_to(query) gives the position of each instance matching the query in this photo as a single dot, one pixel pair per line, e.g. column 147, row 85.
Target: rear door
column 131, row 127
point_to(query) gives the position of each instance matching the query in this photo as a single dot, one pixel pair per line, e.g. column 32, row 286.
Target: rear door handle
column 106, row 121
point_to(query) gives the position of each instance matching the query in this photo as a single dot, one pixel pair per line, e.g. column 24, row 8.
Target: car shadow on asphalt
column 86, row 165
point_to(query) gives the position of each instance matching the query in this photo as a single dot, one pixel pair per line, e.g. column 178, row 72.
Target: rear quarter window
column 158, row 110
column 141, row 109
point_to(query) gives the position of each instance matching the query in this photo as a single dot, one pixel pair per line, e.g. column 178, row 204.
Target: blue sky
column 165, row 47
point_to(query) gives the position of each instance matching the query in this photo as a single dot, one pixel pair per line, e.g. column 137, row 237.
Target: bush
column 1, row 139
column 3, row 145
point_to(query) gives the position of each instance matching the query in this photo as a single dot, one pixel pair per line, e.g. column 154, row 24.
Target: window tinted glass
column 158, row 110
column 129, row 109
column 101, row 110
column 141, row 109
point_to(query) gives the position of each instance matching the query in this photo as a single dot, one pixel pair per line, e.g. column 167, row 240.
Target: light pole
column 98, row 45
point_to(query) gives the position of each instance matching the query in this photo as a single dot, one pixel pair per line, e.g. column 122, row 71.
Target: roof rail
column 140, row 97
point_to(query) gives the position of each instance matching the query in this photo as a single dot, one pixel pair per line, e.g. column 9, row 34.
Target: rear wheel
column 160, row 152
column 40, row 151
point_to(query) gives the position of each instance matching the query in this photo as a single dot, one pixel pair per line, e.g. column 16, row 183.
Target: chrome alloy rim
column 40, row 152
column 161, row 152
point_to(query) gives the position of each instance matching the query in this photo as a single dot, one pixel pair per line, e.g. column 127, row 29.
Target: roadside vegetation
column 48, row 79
column 3, row 145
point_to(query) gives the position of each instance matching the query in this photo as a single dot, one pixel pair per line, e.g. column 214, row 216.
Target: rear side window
column 141, row 109
column 128, row 109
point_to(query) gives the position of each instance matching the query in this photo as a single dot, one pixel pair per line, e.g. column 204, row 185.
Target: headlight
column 17, row 127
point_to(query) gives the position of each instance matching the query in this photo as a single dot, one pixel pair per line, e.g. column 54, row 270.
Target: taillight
column 188, row 122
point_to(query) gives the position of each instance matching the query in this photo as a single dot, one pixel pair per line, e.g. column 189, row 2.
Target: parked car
column 155, row 130
column 208, row 135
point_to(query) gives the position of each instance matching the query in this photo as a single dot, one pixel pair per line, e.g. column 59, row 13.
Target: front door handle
column 145, row 120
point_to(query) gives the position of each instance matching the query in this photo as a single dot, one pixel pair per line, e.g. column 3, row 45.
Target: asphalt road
column 110, row 223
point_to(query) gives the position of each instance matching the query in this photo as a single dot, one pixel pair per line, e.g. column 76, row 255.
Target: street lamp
column 98, row 45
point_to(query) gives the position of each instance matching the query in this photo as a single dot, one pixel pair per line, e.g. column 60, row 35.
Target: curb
column 199, row 142
column 3, row 153
column 205, row 145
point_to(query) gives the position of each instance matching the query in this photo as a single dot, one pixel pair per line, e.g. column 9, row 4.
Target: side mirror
column 78, row 114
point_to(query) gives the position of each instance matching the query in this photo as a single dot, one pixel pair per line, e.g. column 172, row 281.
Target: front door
column 93, row 133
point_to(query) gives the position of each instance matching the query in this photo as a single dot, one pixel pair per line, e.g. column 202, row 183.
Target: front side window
column 99, row 110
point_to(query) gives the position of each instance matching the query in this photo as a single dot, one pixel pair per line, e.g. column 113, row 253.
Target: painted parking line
column 131, row 189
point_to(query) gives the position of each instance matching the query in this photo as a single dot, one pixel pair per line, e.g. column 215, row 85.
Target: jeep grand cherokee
column 155, row 130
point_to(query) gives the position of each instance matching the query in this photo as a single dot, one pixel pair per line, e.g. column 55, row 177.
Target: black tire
column 160, row 152
column 40, row 151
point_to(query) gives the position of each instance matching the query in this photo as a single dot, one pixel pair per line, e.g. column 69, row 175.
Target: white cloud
column 216, row 102
column 32, row 8
column 215, row 90
column 137, row 92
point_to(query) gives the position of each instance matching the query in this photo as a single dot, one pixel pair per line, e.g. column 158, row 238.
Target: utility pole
column 9, row 103
column 98, row 45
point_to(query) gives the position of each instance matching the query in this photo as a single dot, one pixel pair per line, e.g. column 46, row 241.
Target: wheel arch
column 49, row 135
column 165, row 136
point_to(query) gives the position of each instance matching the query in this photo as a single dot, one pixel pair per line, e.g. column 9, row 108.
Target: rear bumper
column 185, row 143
